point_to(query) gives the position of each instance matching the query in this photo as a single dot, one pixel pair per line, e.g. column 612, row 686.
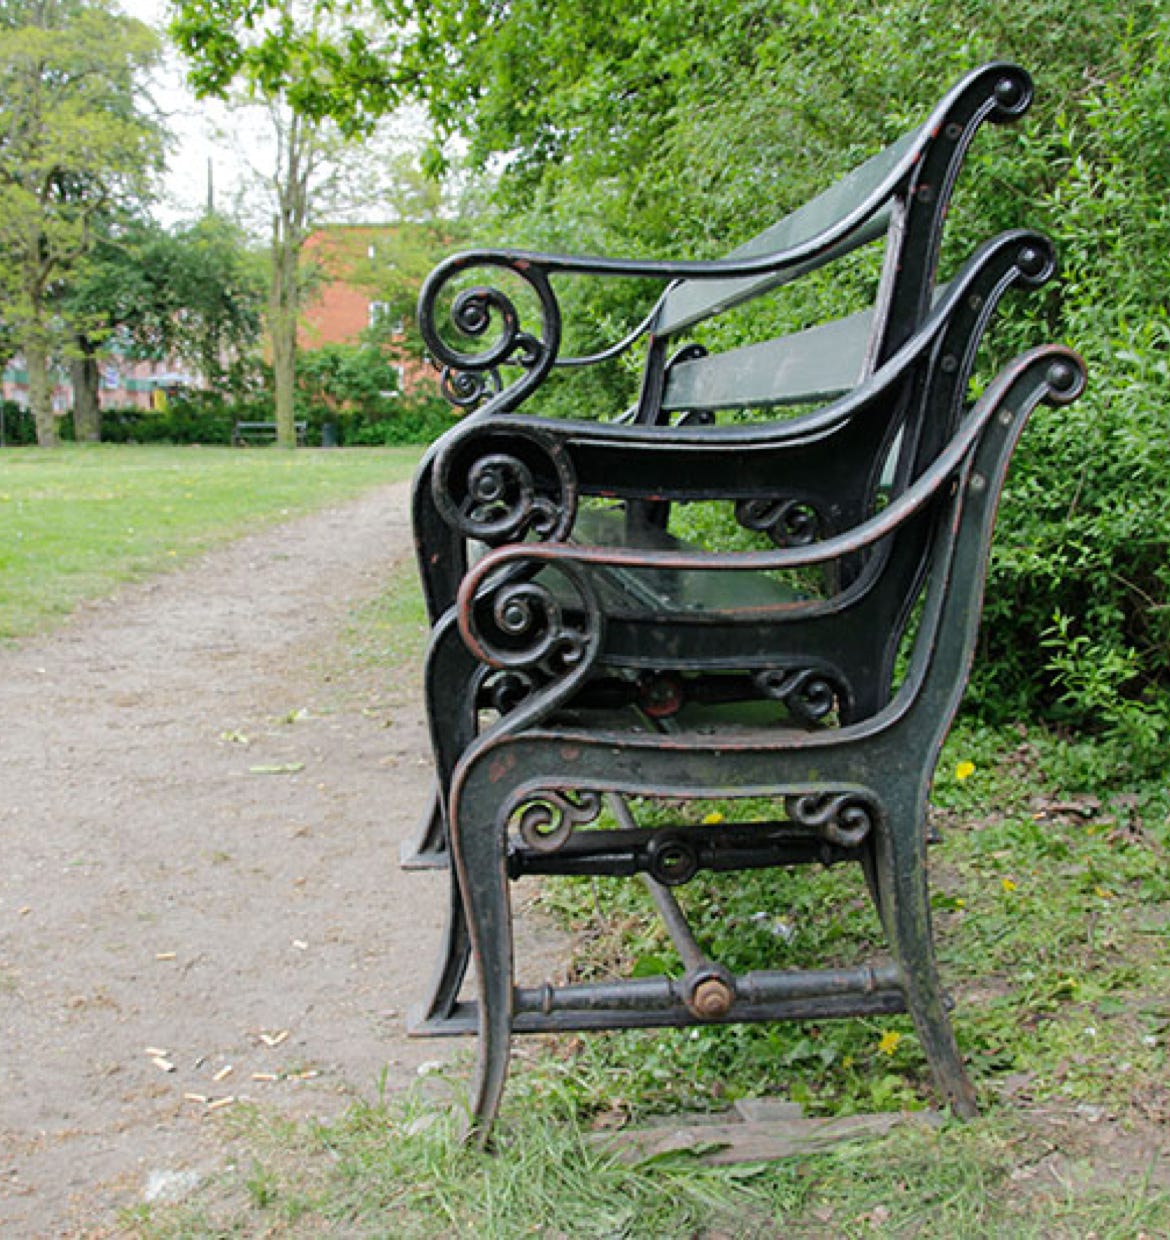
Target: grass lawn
column 79, row 521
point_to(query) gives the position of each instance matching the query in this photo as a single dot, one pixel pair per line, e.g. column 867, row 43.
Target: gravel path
column 200, row 902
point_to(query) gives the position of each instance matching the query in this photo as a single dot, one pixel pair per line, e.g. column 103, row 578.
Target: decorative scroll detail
column 465, row 390
column 503, row 487
column 1013, row 94
column 547, row 819
column 487, row 317
column 810, row 694
column 518, row 623
column 503, row 691
column 843, row 818
column 787, row 522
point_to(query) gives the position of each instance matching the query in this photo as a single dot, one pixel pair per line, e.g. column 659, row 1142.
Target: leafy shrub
column 195, row 417
column 19, row 427
column 356, row 390
column 1076, row 627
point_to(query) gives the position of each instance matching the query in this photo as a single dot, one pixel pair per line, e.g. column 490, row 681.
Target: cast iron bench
column 898, row 199
column 244, row 433
column 584, row 664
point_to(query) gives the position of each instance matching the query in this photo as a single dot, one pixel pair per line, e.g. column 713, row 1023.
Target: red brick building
column 342, row 302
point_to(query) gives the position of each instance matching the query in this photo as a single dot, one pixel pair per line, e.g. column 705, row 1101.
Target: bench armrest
column 1050, row 373
column 636, row 461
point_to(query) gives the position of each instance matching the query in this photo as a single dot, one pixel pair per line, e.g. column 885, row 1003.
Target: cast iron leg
column 905, row 904
column 427, row 847
column 477, row 846
column 454, row 955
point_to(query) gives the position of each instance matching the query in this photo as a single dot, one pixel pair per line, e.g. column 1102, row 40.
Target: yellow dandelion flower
column 964, row 770
column 713, row 818
column 1009, row 884
column 890, row 1042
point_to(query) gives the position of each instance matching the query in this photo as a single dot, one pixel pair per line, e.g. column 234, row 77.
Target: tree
column 193, row 292
column 323, row 78
column 73, row 145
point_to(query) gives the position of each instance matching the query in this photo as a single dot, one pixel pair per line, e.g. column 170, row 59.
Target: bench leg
column 901, row 875
column 477, row 848
column 451, row 969
column 427, row 847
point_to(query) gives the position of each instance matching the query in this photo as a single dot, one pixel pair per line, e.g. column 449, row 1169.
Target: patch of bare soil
column 200, row 901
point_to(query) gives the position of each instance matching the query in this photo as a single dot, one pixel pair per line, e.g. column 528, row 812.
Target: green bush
column 195, row 417
column 19, row 428
column 355, row 388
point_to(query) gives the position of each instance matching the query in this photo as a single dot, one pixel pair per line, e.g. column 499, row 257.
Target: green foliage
column 324, row 60
column 193, row 292
column 185, row 421
column 356, row 389
column 74, row 146
column 682, row 128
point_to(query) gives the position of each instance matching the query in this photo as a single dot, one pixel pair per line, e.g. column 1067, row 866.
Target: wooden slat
column 818, row 364
column 693, row 300
column 759, row 1141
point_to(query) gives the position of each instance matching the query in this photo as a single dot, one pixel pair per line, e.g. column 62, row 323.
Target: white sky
column 198, row 128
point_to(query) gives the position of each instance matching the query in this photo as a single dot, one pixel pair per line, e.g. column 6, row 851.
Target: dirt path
column 199, row 896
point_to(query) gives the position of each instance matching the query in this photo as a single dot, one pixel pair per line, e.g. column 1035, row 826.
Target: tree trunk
column 40, row 393
column 87, row 413
column 283, row 327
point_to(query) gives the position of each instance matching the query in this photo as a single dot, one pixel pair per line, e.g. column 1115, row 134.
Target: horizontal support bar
column 645, row 1003
column 724, row 847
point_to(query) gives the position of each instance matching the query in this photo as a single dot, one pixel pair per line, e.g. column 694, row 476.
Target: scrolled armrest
column 546, row 449
column 1050, row 373
column 488, row 316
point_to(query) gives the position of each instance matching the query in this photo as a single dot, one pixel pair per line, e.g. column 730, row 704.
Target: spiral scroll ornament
column 503, row 487
column 520, row 623
column 503, row 691
column 787, row 522
column 547, row 819
column 483, row 330
column 843, row 818
column 466, row 390
column 810, row 695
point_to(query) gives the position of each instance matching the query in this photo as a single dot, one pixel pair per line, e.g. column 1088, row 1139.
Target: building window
column 380, row 316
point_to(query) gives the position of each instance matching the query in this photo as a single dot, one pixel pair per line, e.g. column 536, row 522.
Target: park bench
column 245, row 433
column 898, row 199
column 589, row 662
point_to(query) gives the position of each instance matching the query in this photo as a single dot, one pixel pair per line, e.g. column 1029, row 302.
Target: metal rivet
column 1006, row 417
column 978, row 482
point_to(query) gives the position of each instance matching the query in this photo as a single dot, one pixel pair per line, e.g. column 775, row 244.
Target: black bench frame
column 891, row 487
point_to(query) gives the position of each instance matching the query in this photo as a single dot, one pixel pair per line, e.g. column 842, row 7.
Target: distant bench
column 244, row 433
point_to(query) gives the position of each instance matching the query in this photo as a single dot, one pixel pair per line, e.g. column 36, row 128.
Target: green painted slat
column 693, row 300
column 818, row 364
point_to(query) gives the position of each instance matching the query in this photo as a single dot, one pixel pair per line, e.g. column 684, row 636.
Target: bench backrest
column 902, row 195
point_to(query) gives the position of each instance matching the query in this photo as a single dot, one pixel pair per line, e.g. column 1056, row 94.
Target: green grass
column 78, row 522
column 399, row 1172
